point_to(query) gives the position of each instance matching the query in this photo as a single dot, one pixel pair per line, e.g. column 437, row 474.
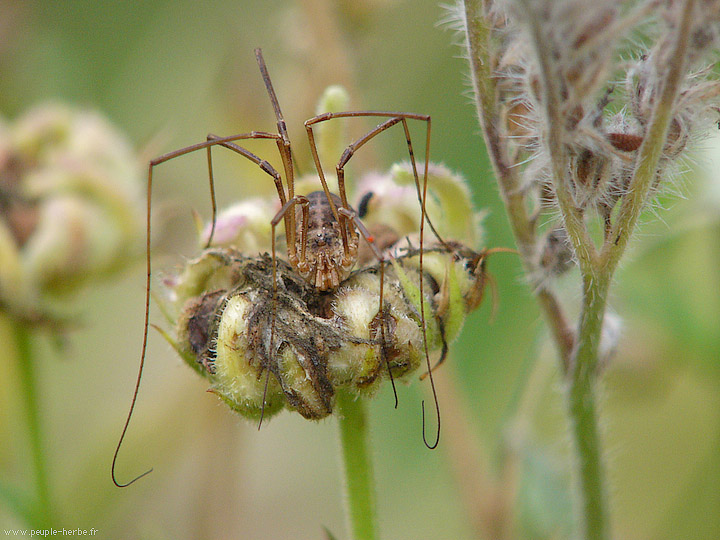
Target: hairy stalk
column 583, row 414
column 581, row 404
column 357, row 467
column 42, row 515
column 522, row 224
column 581, row 391
column 632, row 205
column 595, row 288
column 572, row 216
column 579, row 351
column 652, row 147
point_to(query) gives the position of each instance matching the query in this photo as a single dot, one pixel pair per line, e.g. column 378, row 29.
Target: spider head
column 327, row 262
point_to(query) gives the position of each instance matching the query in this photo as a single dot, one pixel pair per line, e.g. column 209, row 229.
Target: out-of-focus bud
column 331, row 140
column 244, row 226
column 331, row 136
column 70, row 201
column 389, row 203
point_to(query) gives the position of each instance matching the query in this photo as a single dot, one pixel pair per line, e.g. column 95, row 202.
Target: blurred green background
column 167, row 73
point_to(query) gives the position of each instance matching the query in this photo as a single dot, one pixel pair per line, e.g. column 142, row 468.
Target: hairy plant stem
column 581, row 402
column 650, row 151
column 42, row 512
column 572, row 216
column 581, row 371
column 357, row 467
column 579, row 351
column 521, row 222
column 581, row 399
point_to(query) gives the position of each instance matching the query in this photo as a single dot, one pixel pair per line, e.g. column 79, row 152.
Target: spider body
column 329, row 256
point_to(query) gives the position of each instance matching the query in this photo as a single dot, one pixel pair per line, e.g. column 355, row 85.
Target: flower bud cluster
column 390, row 200
column 266, row 344
column 387, row 204
column 263, row 349
column 69, row 207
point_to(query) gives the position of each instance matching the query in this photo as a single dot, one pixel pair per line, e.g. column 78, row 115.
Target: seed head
column 577, row 85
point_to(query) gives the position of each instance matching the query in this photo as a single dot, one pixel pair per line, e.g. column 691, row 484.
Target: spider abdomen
column 328, row 257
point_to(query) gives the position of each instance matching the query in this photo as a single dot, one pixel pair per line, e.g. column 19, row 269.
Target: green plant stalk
column 42, row 515
column 578, row 357
column 578, row 234
column 357, row 467
column 579, row 354
column 581, row 371
column 596, row 282
column 583, row 414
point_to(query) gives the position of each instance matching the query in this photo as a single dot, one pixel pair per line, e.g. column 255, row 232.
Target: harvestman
column 322, row 230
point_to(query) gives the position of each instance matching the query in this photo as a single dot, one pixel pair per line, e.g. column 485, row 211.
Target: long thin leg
column 264, row 165
column 321, row 174
column 350, row 215
column 283, row 142
column 304, row 202
column 393, row 118
column 482, row 278
column 287, row 207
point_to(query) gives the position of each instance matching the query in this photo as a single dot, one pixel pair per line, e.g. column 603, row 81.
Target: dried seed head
column 627, row 142
column 591, row 172
column 574, row 40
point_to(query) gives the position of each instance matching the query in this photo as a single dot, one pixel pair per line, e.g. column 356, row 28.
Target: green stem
column 583, row 414
column 578, row 355
column 42, row 516
column 596, row 281
column 359, row 489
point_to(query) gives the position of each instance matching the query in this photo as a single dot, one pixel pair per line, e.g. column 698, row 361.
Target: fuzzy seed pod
column 557, row 255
